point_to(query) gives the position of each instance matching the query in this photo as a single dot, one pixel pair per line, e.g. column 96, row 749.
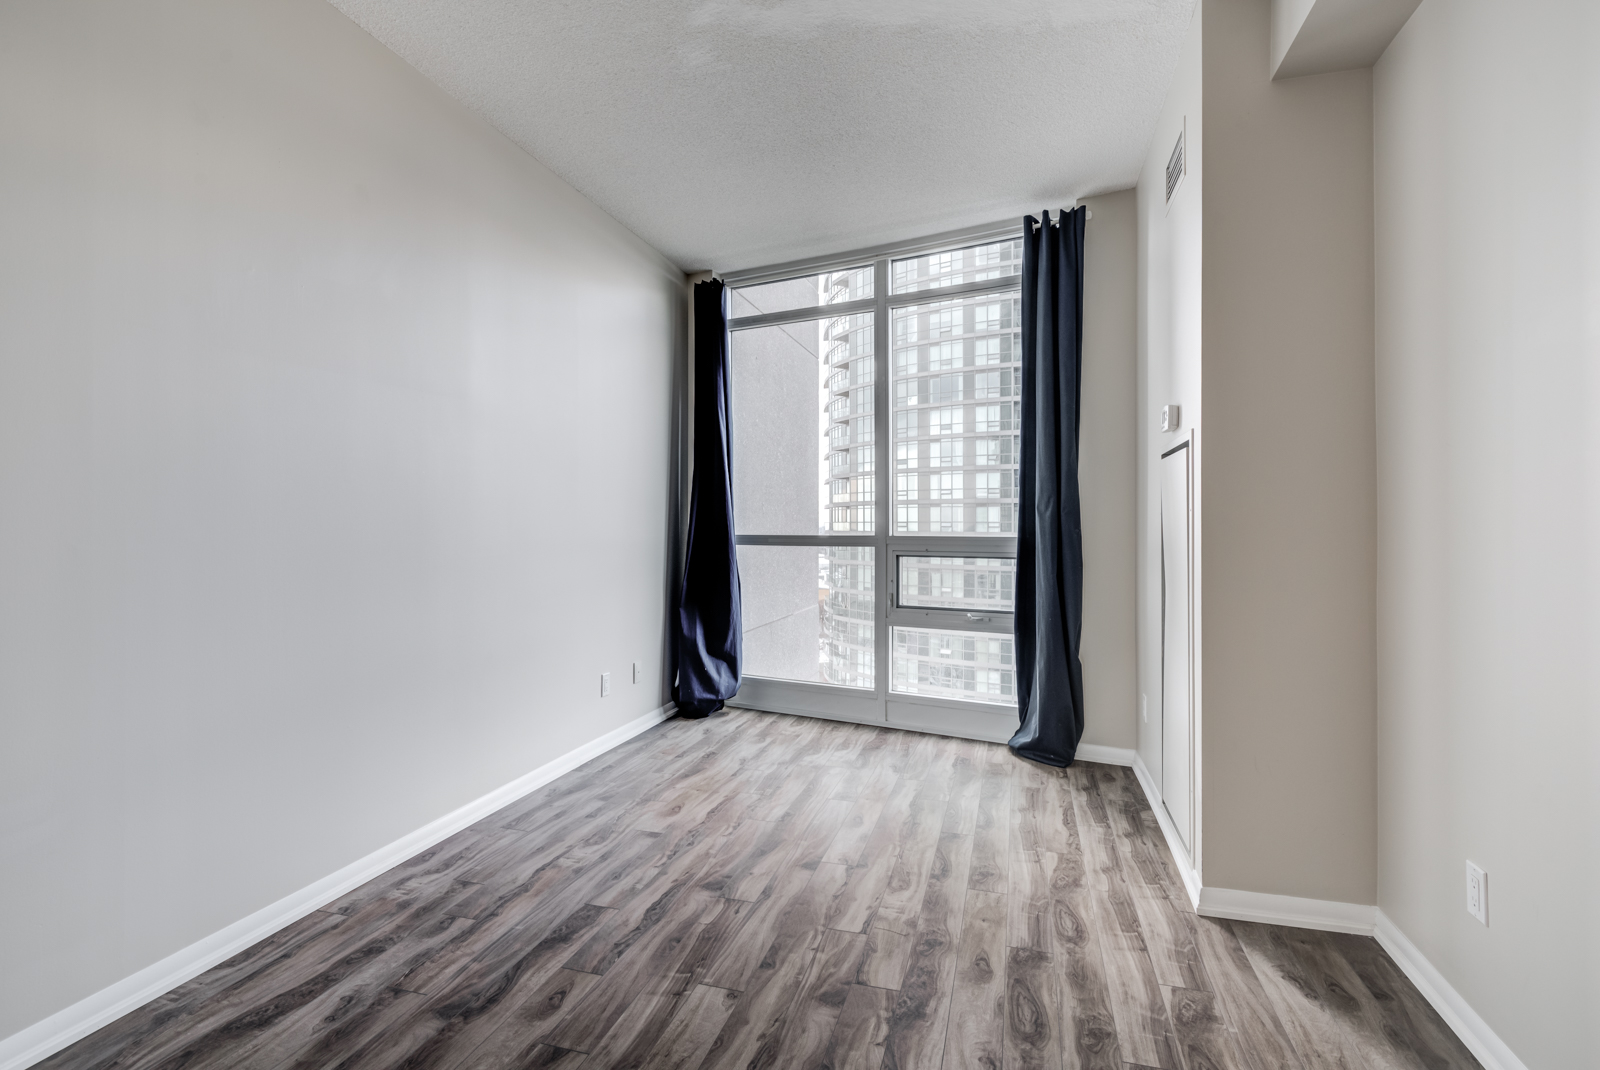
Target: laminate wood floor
column 755, row 890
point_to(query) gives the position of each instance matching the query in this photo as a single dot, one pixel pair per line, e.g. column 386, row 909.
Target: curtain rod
column 1087, row 215
column 899, row 249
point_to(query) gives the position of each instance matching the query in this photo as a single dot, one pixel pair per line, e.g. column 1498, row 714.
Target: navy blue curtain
column 1049, row 582
column 709, row 632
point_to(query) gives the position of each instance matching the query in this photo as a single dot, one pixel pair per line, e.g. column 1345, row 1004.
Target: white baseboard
column 1324, row 914
column 1250, row 906
column 1180, row 853
column 45, row 1038
column 1330, row 916
column 1457, row 1013
column 1094, row 752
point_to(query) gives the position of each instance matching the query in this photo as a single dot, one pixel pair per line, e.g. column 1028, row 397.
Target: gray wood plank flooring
column 762, row 891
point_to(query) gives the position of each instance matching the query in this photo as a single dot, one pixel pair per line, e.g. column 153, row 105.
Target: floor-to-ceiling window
column 875, row 423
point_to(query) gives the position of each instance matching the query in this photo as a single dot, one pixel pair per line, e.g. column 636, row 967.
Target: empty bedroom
column 799, row 534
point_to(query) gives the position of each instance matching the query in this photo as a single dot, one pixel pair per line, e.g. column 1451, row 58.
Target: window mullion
column 882, row 464
column 952, row 293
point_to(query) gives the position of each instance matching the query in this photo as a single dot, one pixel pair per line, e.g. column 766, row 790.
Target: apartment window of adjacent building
column 874, row 426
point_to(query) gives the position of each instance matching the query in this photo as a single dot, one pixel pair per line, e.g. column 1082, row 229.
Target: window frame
column 882, row 704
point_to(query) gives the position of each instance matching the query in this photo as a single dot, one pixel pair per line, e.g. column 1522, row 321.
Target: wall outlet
column 605, row 684
column 636, row 672
column 1477, row 892
column 1144, row 708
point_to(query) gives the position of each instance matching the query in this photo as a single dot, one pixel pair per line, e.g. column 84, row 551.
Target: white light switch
column 1169, row 417
column 605, row 684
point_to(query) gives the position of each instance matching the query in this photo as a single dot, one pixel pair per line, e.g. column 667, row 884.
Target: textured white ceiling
column 734, row 133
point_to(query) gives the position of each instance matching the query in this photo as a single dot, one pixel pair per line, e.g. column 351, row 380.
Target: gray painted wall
column 1487, row 124
column 1169, row 290
column 335, row 462
column 1106, row 470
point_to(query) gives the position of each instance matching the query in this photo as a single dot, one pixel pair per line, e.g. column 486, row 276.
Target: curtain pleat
column 709, row 632
column 1049, row 580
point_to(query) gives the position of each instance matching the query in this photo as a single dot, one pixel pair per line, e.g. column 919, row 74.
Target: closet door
column 1177, row 719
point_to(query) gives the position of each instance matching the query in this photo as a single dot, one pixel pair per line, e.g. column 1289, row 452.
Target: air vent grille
column 1175, row 167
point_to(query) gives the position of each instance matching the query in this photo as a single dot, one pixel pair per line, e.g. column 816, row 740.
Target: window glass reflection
column 957, row 380
column 808, row 613
column 973, row 666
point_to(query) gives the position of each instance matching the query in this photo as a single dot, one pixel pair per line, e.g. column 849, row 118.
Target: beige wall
column 1106, row 471
column 334, row 461
column 1287, row 532
column 1262, row 331
column 1397, row 569
column 1487, row 124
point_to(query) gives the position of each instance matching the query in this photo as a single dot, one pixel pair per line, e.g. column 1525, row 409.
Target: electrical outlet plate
column 636, row 672
column 1477, row 892
column 605, row 684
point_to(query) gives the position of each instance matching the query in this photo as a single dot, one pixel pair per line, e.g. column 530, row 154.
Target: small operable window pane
column 957, row 267
column 808, row 613
column 973, row 666
column 975, row 584
column 810, row 291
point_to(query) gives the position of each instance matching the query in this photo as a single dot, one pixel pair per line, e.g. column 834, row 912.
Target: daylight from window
column 808, row 462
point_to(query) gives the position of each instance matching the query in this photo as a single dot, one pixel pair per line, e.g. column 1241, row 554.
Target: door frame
column 1189, row 836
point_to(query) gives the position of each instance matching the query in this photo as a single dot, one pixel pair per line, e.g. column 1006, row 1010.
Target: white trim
column 1457, row 1013
column 1251, row 906
column 1325, row 914
column 951, row 731
column 1331, row 916
column 1180, row 854
column 45, row 1038
column 813, row 265
column 1094, row 752
column 1087, row 752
